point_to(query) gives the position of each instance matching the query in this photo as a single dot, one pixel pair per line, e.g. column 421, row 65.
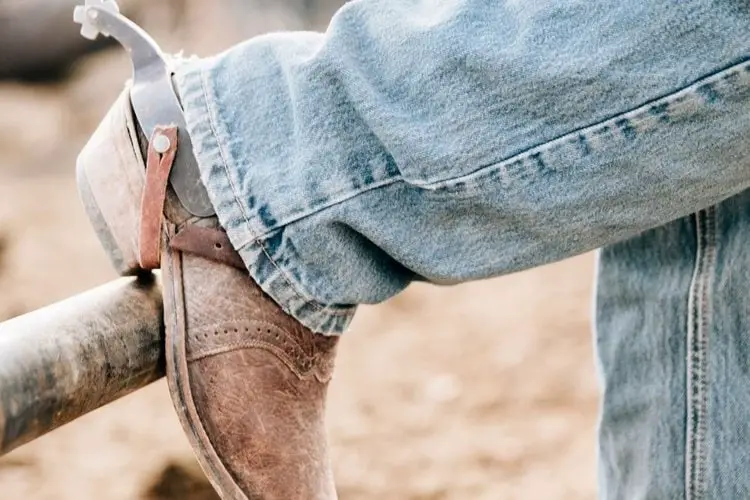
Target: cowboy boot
column 248, row 381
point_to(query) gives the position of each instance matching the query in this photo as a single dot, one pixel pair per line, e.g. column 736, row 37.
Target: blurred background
column 482, row 391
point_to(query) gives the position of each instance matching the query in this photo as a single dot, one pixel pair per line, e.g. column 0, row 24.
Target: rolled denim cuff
column 241, row 212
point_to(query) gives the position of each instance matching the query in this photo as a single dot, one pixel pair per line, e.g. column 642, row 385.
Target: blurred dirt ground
column 482, row 391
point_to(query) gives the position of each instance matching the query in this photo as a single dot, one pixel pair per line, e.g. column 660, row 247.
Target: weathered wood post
column 65, row 360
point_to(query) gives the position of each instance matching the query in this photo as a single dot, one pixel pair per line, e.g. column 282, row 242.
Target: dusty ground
column 483, row 391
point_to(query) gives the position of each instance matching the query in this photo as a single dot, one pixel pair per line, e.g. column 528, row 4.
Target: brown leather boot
column 248, row 381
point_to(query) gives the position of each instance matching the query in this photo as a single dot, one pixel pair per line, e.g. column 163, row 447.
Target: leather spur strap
column 212, row 244
column 162, row 150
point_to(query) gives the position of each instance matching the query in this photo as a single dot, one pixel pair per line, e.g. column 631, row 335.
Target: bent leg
column 453, row 141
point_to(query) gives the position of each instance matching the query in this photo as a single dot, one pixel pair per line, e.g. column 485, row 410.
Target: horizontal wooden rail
column 65, row 360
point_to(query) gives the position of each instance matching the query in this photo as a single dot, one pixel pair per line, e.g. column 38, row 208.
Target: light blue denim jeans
column 456, row 140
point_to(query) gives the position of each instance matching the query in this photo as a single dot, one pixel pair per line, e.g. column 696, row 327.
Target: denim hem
column 268, row 272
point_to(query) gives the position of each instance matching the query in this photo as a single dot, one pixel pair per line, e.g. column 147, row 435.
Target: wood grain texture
column 68, row 359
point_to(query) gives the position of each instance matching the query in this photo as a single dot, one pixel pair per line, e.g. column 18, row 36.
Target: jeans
column 456, row 140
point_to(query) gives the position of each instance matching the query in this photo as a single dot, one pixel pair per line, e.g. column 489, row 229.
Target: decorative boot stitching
column 315, row 359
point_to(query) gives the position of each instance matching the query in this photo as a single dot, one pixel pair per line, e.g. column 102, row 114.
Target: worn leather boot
column 248, row 382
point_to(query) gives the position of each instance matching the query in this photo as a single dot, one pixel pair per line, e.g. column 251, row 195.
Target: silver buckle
column 152, row 94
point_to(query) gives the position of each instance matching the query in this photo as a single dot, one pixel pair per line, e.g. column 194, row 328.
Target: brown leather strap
column 158, row 166
column 212, row 244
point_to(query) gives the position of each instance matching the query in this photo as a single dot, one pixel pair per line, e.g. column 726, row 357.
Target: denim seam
column 542, row 159
column 330, row 203
column 699, row 324
column 648, row 116
column 295, row 287
column 220, row 148
column 332, row 310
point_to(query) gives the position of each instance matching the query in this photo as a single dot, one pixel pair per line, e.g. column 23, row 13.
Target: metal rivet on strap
column 161, row 143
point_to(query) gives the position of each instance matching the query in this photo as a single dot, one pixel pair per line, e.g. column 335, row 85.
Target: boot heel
column 110, row 176
column 124, row 263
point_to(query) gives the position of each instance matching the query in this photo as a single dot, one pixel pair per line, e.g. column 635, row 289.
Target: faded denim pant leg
column 673, row 336
column 449, row 141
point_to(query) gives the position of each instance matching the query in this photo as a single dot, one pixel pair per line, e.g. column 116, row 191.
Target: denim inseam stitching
column 327, row 309
column 699, row 323
column 332, row 202
column 636, row 117
column 332, row 310
column 636, row 113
